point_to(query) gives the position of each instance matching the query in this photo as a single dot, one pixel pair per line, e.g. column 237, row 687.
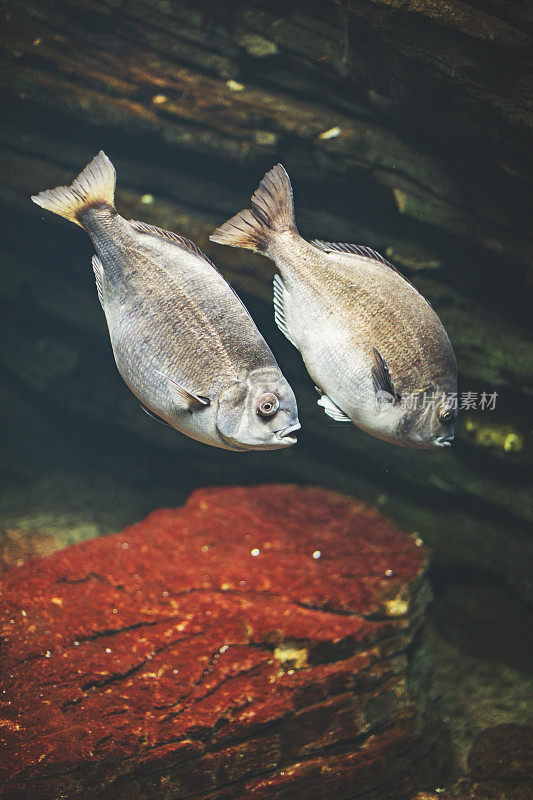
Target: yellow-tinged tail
column 96, row 184
column 272, row 212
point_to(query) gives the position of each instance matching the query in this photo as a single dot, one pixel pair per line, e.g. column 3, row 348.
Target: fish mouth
column 444, row 441
column 286, row 435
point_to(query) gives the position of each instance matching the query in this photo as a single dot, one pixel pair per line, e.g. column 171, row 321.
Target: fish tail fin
column 94, row 185
column 272, row 212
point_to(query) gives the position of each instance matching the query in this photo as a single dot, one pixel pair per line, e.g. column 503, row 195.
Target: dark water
column 80, row 459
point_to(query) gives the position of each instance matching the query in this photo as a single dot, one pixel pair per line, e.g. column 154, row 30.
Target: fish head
column 430, row 422
column 258, row 412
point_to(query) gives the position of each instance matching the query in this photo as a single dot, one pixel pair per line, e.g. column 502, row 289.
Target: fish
column 182, row 339
column 376, row 350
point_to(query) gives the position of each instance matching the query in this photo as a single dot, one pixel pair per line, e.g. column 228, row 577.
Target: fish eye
column 446, row 416
column 268, row 405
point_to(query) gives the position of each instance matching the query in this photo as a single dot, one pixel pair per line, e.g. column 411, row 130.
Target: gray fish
column 183, row 341
column 376, row 350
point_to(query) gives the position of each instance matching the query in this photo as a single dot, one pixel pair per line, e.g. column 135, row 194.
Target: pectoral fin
column 183, row 398
column 332, row 410
column 382, row 380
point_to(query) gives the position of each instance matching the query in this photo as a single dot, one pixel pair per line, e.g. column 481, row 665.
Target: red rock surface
column 254, row 640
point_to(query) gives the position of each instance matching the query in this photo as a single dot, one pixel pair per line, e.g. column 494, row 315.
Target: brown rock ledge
column 258, row 640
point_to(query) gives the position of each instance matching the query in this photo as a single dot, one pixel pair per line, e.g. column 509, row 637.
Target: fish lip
column 286, row 433
column 281, row 438
column 444, row 441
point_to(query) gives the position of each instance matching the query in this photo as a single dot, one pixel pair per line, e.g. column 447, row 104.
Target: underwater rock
column 260, row 640
column 306, row 69
column 504, row 752
column 500, row 767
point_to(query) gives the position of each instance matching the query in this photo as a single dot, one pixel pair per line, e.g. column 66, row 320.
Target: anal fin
column 98, row 269
column 332, row 410
column 280, row 316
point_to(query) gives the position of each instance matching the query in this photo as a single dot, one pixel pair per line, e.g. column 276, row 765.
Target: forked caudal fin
column 272, row 212
column 96, row 184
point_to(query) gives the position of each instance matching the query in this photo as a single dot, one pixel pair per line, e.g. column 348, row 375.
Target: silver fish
column 376, row 350
column 183, row 341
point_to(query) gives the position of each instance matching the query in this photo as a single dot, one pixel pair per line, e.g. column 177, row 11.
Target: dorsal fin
column 356, row 249
column 174, row 238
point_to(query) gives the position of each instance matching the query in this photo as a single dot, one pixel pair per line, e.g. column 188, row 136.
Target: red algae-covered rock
column 257, row 640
